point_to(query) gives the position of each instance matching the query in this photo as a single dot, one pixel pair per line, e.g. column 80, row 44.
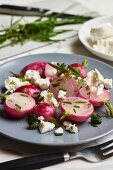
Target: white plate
column 84, row 35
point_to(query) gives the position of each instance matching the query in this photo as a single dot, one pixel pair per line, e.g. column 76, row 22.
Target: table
column 10, row 149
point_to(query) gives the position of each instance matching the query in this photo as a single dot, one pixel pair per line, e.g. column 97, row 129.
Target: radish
column 68, row 84
column 50, row 72
column 18, row 105
column 96, row 100
column 29, row 89
column 47, row 110
column 76, row 109
column 81, row 67
column 39, row 66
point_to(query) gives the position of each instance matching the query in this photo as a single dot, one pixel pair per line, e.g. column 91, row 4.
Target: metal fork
column 92, row 154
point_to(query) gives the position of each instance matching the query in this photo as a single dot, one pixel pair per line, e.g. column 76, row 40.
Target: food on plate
column 54, row 95
column 18, row 105
column 102, row 38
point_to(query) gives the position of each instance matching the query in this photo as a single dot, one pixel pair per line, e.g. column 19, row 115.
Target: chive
column 58, row 134
column 76, row 106
column 89, row 105
column 12, row 83
column 24, row 95
column 66, row 102
column 74, row 110
column 18, row 106
column 56, row 84
column 63, row 90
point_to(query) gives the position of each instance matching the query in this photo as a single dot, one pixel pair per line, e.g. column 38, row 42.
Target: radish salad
column 56, row 96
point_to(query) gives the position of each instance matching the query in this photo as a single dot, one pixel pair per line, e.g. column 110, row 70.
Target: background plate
column 18, row 129
column 84, row 35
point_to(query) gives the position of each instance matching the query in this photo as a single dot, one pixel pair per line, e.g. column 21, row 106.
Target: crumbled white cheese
column 72, row 128
column 104, row 46
column 48, row 97
column 100, row 89
column 94, row 78
column 32, row 75
column 12, row 83
column 101, row 31
column 45, row 126
column 107, row 83
column 43, row 83
column 62, row 94
column 59, row 131
column 66, row 123
column 40, row 118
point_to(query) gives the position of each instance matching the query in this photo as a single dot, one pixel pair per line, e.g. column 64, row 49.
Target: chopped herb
column 64, row 90
column 85, row 63
column 10, row 100
column 33, row 121
column 25, row 90
column 89, row 105
column 76, row 106
column 2, row 98
column 24, row 95
column 109, row 108
column 80, row 101
column 74, row 110
column 58, row 134
column 56, row 84
column 22, row 78
column 96, row 120
column 80, row 83
column 66, row 102
column 75, row 72
column 18, row 107
column 12, row 83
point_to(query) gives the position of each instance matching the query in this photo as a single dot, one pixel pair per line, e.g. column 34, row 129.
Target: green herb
column 66, row 102
column 96, row 120
column 22, row 78
column 89, row 105
column 2, row 98
column 33, row 121
column 12, row 83
column 80, row 83
column 63, row 90
column 18, row 106
column 75, row 72
column 24, row 95
column 56, row 84
column 85, row 63
column 74, row 110
column 109, row 108
column 42, row 29
column 76, row 106
column 58, row 134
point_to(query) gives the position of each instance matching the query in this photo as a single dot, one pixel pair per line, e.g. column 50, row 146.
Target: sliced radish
column 96, row 100
column 68, row 84
column 76, row 109
column 81, row 67
column 18, row 105
column 48, row 111
column 50, row 72
column 29, row 89
column 39, row 66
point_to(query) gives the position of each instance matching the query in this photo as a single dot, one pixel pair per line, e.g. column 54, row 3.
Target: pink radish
column 69, row 84
column 18, row 105
column 81, row 67
column 48, row 111
column 50, row 72
column 96, row 100
column 39, row 66
column 76, row 109
column 29, row 89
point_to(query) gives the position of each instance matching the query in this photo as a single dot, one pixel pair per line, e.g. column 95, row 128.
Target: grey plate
column 17, row 129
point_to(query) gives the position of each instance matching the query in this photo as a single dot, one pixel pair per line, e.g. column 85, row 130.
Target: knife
column 30, row 11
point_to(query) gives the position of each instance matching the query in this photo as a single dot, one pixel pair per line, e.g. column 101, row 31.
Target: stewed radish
column 18, row 105
column 76, row 109
column 67, row 84
column 39, row 66
column 47, row 110
column 93, row 97
column 29, row 89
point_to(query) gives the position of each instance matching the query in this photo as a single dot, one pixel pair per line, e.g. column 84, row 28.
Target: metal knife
column 29, row 11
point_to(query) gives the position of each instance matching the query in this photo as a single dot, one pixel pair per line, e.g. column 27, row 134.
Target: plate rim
column 54, row 144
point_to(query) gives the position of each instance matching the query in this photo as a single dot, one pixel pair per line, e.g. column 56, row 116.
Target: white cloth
column 10, row 149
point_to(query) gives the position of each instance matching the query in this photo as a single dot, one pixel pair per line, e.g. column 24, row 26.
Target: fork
column 93, row 154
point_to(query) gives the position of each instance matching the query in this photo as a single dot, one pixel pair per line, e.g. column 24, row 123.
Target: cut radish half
column 96, row 100
column 76, row 109
column 18, row 105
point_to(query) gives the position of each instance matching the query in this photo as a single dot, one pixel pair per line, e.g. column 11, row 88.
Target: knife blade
column 30, row 11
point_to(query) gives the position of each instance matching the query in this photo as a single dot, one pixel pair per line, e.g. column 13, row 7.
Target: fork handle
column 34, row 161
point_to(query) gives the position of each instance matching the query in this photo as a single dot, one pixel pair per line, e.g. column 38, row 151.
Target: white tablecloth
column 10, row 149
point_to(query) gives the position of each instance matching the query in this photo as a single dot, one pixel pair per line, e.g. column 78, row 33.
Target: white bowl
column 84, row 35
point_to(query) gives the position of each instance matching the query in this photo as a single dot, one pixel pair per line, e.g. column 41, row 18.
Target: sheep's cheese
column 62, row 94
column 45, row 126
column 59, row 131
column 72, row 128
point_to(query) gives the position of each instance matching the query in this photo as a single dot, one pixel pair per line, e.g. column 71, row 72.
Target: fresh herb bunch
column 42, row 29
column 96, row 120
column 33, row 121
